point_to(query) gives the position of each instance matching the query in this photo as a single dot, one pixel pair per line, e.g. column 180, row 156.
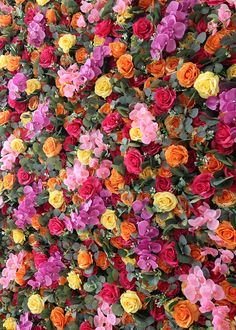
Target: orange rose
column 35, row 221
column 127, row 229
column 125, row 65
column 213, row 164
column 157, row 68
column 117, row 242
column 163, row 266
column 84, row 259
column 58, row 318
column 164, row 172
column 176, row 155
column 228, row 235
column 213, row 42
column 51, row 147
column 74, row 20
column 196, row 253
column 116, row 182
column 33, row 103
column 4, row 117
column 187, row 74
column 8, row 181
column 173, row 125
column 105, row 108
column 60, row 110
column 171, row 64
column 230, row 291
column 185, row 313
column 51, row 16
column 226, row 198
column 145, row 4
column 127, row 319
column 117, row 48
column 127, row 198
column 13, row 63
column 185, row 101
column 81, row 55
column 20, row 275
column 102, row 260
column 5, row 20
column 183, row 205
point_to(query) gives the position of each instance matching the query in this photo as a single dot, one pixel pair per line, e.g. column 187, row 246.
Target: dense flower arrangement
column 117, row 159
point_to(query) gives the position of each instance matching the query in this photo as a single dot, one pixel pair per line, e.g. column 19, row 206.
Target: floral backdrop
column 117, row 164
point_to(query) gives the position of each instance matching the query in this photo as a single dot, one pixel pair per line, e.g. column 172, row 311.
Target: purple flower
column 36, row 29
column 228, row 105
column 16, row 85
column 25, row 324
column 145, row 230
column 99, row 53
column 147, row 261
column 40, row 120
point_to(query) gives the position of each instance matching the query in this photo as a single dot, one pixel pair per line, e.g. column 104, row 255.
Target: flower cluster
column 117, row 164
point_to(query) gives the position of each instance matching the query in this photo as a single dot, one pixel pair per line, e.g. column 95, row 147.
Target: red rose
column 19, row 107
column 197, row 121
column 124, row 282
column 111, row 122
column 133, row 161
column 26, row 55
column 89, row 188
column 223, row 141
column 110, row 293
column 39, row 258
column 201, row 185
column 143, row 28
column 168, row 254
column 163, row 286
column 125, row 131
column 162, row 184
column 85, row 326
column 2, row 42
column 56, row 226
column 190, row 165
column 214, row 2
column 164, row 98
column 53, row 249
column 73, row 128
column 158, row 313
column 118, row 262
column 152, row 149
column 201, row 25
column 69, row 142
column 182, row 269
column 103, row 28
column 24, row 178
column 47, row 57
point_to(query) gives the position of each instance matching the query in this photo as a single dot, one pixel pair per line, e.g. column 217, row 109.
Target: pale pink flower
column 76, row 175
column 219, row 314
column 81, row 22
column 212, row 27
column 94, row 16
column 224, row 14
column 86, row 7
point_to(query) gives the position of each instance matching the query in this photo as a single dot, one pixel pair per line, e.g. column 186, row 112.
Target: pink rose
column 158, row 313
column 69, row 142
column 143, row 28
column 201, row 185
column 168, row 254
column 162, row 184
column 111, row 122
column 73, row 128
column 56, row 226
column 164, row 98
column 110, row 293
column 133, row 161
column 224, row 14
column 223, row 141
column 124, row 282
column 47, row 57
column 89, row 188
column 24, row 178
column 103, row 28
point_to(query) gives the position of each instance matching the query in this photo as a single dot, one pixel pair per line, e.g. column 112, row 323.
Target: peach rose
column 176, row 155
column 173, row 125
column 115, row 183
column 51, row 16
column 171, row 64
column 84, row 259
column 81, row 55
column 8, row 181
column 102, row 260
column 228, row 234
column 213, row 164
column 226, row 198
column 4, row 117
column 230, row 291
column 187, row 74
column 5, row 20
column 127, row 229
column 117, row 48
column 185, row 313
column 51, row 147
column 13, row 63
column 157, row 68
column 213, row 42
column 125, row 65
column 58, row 318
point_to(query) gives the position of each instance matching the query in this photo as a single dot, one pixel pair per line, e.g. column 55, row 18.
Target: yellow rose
column 35, row 304
column 83, row 235
column 162, row 222
column 98, row 41
column 18, row 236
column 32, row 85
column 135, row 134
column 56, row 198
column 103, row 87
column 18, row 145
column 42, row 2
column 165, row 201
column 130, row 301
column 128, row 260
column 108, row 219
column 66, row 42
column 147, row 172
column 10, row 323
column 207, row 84
column 126, row 15
column 26, row 117
column 3, row 61
column 231, row 72
column 84, row 156
column 74, row 280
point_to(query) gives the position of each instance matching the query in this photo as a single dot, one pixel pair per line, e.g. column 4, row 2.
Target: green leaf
column 232, row 281
column 201, row 37
column 222, row 182
column 117, row 310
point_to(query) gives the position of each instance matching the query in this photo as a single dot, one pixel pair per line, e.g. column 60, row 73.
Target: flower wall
column 117, row 165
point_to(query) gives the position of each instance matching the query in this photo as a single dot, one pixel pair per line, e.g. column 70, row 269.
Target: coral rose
column 5, row 20
column 176, row 155
column 58, row 318
column 187, row 74
column 228, row 234
column 84, row 259
column 125, row 65
column 185, row 313
column 117, row 48
column 51, row 147
column 157, row 68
